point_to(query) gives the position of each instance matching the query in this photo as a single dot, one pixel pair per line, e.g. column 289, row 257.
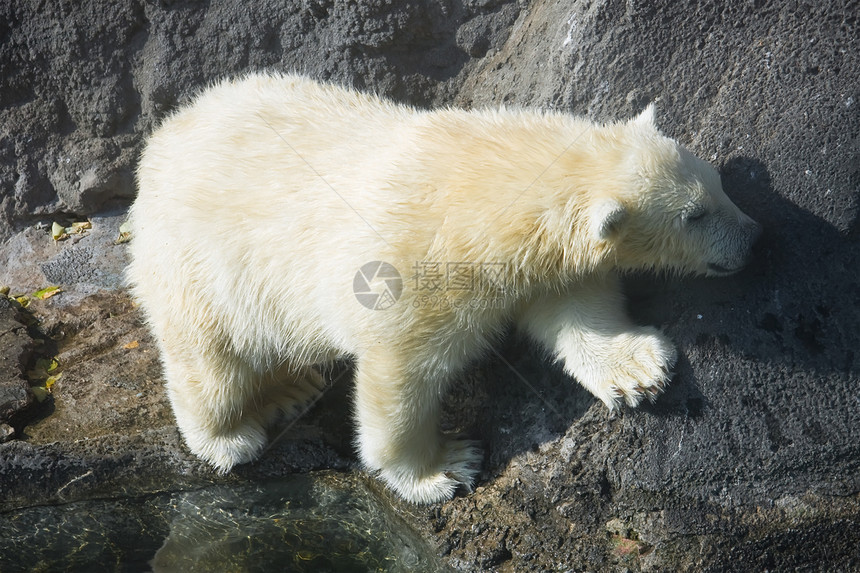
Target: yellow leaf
column 42, row 369
column 132, row 344
column 23, row 300
column 47, row 292
column 49, row 383
column 40, row 393
column 58, row 232
column 124, row 233
column 42, row 364
column 79, row 228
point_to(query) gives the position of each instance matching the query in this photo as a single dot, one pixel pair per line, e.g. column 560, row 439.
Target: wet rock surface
column 750, row 460
column 299, row 523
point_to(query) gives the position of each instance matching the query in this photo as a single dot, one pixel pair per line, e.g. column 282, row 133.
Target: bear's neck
column 519, row 199
column 525, row 251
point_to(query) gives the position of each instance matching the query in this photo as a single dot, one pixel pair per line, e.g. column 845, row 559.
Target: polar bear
column 269, row 208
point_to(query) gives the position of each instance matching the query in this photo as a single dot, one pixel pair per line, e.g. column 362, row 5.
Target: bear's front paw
column 629, row 367
column 461, row 461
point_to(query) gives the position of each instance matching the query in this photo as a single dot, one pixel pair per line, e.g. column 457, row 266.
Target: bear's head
column 669, row 211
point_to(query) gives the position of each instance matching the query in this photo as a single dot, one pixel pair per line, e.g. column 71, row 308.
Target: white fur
column 259, row 202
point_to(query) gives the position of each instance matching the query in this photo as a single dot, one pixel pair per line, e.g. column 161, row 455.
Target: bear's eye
column 695, row 215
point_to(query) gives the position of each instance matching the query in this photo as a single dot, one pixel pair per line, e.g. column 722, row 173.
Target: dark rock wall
column 750, row 461
column 81, row 83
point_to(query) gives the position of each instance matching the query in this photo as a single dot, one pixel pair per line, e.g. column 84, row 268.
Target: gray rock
column 7, row 432
column 749, row 462
column 16, row 347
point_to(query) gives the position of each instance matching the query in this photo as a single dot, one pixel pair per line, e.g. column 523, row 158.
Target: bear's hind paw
column 227, row 449
column 462, row 462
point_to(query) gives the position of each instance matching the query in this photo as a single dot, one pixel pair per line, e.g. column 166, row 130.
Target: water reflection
column 303, row 523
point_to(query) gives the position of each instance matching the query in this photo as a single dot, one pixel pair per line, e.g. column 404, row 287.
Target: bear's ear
column 606, row 216
column 647, row 117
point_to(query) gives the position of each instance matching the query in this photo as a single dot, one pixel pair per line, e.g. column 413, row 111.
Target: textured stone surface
column 16, row 346
column 108, row 424
column 749, row 462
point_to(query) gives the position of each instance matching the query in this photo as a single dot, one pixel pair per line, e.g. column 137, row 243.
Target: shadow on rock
column 802, row 304
column 795, row 305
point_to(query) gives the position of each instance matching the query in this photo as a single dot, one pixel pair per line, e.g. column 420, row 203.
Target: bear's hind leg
column 398, row 433
column 218, row 409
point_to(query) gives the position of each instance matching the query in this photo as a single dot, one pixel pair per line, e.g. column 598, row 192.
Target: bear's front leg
column 398, row 431
column 587, row 329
